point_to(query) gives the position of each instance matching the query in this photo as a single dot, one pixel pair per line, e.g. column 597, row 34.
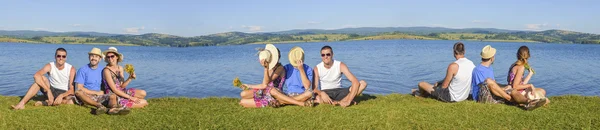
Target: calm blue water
column 389, row 66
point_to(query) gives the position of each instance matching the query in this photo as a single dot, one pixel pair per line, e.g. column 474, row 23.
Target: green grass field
column 394, row 111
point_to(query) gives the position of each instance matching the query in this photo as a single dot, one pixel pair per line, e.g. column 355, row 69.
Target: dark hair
column 60, row 49
column 327, row 47
column 459, row 48
column 485, row 60
column 278, row 52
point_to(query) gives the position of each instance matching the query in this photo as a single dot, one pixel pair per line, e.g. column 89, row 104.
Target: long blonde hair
column 522, row 56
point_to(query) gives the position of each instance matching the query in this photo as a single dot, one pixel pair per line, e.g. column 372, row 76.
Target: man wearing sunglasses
column 57, row 87
column 328, row 77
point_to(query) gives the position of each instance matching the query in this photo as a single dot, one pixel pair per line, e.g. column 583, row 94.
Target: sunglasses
column 111, row 56
column 328, row 54
column 59, row 56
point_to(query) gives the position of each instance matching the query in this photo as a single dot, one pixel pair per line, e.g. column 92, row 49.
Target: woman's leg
column 518, row 97
column 141, row 94
column 247, row 94
column 248, row 103
column 143, row 103
column 284, row 99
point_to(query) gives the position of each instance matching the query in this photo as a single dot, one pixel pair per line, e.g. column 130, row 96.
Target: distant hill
column 31, row 34
column 308, row 35
column 409, row 30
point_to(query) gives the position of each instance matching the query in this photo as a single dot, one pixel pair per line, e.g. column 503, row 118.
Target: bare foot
column 18, row 107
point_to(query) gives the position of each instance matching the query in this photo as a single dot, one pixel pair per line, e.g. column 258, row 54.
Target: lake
column 389, row 66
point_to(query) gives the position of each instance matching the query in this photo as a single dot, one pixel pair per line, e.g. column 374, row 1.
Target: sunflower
column 129, row 68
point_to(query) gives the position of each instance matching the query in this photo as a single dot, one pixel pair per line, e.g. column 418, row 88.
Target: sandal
column 101, row 110
column 120, row 111
column 274, row 104
column 535, row 104
column 309, row 103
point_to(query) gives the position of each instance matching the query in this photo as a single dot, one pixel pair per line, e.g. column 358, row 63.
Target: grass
column 394, row 111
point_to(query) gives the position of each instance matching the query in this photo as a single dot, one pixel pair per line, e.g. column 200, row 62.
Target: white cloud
column 40, row 29
column 253, row 28
column 437, row 25
column 535, row 27
column 134, row 30
column 480, row 21
column 349, row 26
column 313, row 22
column 76, row 25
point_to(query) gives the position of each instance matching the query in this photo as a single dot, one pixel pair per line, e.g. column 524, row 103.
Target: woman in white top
column 457, row 83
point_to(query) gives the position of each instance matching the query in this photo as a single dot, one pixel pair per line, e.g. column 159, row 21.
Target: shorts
column 55, row 92
column 440, row 93
column 486, row 96
column 102, row 99
column 337, row 94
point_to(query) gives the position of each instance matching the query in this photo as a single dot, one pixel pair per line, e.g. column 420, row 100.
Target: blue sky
column 194, row 18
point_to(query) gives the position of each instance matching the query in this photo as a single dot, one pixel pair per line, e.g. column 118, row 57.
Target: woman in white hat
column 115, row 83
column 269, row 92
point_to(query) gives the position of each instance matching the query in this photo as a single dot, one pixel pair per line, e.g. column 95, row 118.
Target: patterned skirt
column 262, row 97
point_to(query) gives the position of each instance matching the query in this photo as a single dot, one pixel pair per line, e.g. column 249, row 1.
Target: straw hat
column 270, row 54
column 488, row 52
column 96, row 51
column 296, row 53
column 114, row 50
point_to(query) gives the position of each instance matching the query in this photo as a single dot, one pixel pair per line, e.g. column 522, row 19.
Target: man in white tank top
column 457, row 83
column 328, row 76
column 57, row 87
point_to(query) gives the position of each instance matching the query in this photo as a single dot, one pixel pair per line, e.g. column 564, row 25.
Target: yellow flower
column 237, row 82
column 129, row 68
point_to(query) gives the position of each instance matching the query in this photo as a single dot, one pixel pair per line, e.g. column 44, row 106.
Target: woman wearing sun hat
column 269, row 92
column 115, row 83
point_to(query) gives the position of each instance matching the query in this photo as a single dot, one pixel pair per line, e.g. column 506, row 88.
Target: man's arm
column 38, row 77
column 355, row 84
column 71, row 90
column 451, row 71
column 316, row 81
column 304, row 75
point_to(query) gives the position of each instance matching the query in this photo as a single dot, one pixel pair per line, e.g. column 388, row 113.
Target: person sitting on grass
column 523, row 93
column 115, row 83
column 298, row 76
column 328, row 75
column 484, row 90
column 89, row 80
column 57, row 88
column 268, row 93
column 456, row 86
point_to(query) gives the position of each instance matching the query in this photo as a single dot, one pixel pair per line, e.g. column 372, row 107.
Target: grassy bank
column 394, row 111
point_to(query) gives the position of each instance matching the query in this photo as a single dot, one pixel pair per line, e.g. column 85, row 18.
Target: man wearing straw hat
column 298, row 76
column 481, row 74
column 57, row 87
column 89, row 80
column 328, row 77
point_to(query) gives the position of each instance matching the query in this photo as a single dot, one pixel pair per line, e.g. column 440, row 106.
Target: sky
column 203, row 17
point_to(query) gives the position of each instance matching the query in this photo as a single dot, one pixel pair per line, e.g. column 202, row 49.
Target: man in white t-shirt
column 457, row 83
column 57, row 87
column 328, row 77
